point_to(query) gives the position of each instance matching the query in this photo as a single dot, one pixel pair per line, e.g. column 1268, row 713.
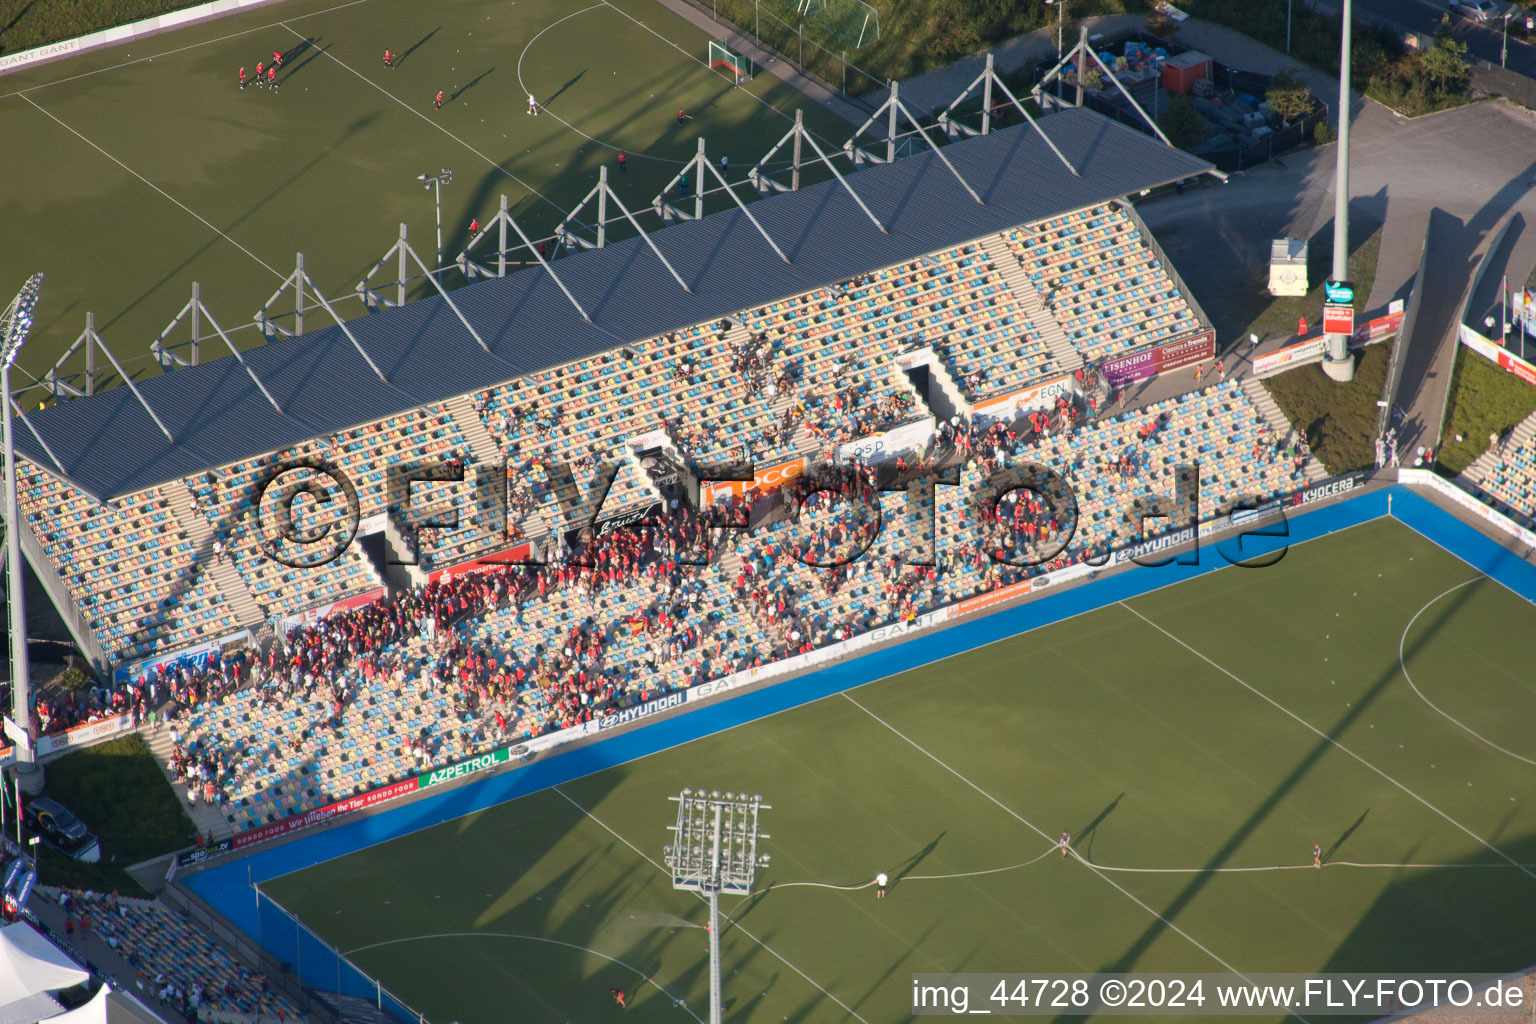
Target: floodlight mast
column 14, row 325
column 715, row 851
column 435, row 182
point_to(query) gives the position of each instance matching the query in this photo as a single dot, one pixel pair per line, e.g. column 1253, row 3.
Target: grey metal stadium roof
column 111, row 447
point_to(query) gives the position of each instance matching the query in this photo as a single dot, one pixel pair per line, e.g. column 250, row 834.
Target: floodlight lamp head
column 20, row 320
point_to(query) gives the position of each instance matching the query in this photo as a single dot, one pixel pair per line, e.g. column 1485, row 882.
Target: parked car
column 60, row 829
column 1477, row 10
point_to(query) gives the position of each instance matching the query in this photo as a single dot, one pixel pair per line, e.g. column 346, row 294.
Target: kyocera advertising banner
column 1149, row 362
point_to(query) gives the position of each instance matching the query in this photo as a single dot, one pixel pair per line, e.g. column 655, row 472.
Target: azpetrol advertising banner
column 1149, row 362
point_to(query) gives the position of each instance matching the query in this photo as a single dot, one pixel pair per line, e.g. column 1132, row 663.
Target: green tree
column 1444, row 63
column 1289, row 96
column 1183, row 123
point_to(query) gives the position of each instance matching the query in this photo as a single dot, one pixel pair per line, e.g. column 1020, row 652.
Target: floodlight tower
column 14, row 325
column 715, row 851
column 435, row 182
column 1338, row 364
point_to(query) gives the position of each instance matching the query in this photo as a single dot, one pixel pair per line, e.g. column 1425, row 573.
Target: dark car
column 60, row 829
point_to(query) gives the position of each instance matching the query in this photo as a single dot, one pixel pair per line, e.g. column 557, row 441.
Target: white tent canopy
column 93, row 1012
column 30, row 965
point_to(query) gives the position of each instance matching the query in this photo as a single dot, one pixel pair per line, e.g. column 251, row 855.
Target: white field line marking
column 1402, row 644
column 184, row 49
column 532, row 938
column 157, row 188
column 531, row 190
column 1332, row 742
column 738, row 925
column 1048, row 838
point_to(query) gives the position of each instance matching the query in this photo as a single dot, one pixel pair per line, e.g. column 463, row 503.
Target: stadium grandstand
column 898, row 337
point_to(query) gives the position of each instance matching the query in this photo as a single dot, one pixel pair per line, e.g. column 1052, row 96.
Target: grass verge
column 1484, row 400
column 1338, row 420
column 118, row 790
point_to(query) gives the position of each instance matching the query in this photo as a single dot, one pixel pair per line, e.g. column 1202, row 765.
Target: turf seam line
column 530, row 189
column 532, row 938
column 1048, row 838
column 737, row 924
column 275, row 273
column 1333, row 742
column 1402, row 643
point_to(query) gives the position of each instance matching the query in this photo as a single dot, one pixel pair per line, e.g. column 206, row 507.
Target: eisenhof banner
column 1151, row 361
column 1501, row 356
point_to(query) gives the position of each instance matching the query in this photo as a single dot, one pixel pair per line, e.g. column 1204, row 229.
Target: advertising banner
column 639, row 711
column 993, row 597
column 320, row 815
column 511, row 556
column 482, row 763
column 1015, row 404
column 1149, row 362
column 888, row 443
column 85, row 735
column 1496, row 353
column 603, row 527
column 1292, row 355
column 1435, row 482
column 762, row 480
column 1338, row 318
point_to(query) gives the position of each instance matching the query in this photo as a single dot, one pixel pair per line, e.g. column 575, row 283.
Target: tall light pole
column 14, row 325
column 1061, row 7
column 435, row 182
column 1337, row 362
column 714, row 851
column 1287, row 26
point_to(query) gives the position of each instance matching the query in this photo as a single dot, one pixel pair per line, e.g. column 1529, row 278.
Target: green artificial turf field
column 136, row 170
column 1225, row 723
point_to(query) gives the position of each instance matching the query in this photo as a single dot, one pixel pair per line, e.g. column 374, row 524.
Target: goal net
column 734, row 64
